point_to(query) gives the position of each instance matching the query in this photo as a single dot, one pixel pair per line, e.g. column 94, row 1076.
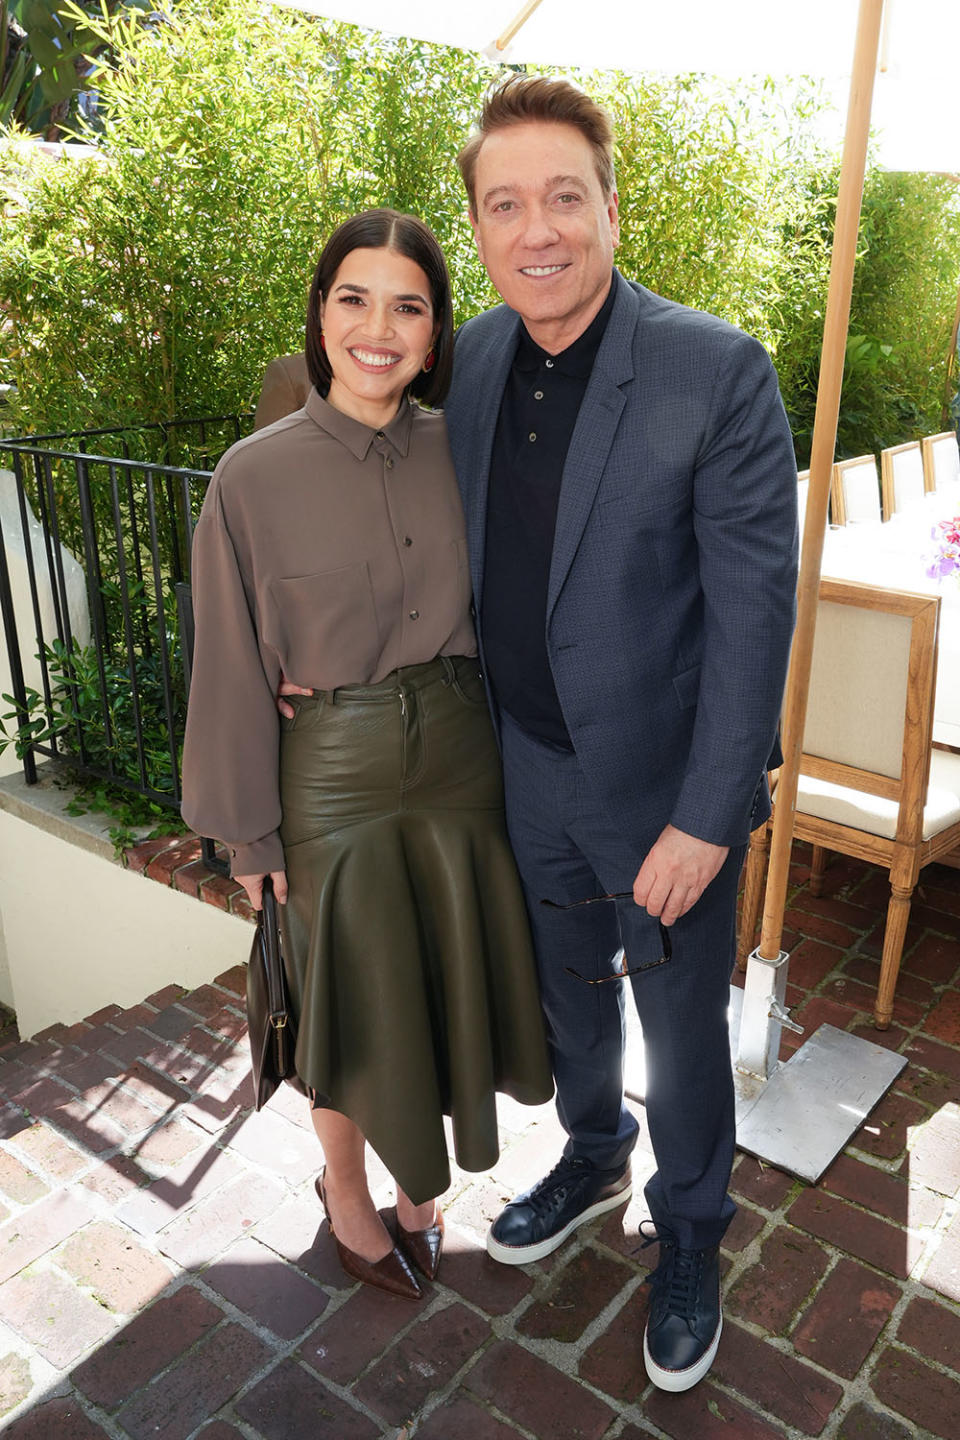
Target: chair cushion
column 878, row 816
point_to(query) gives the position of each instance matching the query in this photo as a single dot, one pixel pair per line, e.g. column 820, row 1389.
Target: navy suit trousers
column 567, row 849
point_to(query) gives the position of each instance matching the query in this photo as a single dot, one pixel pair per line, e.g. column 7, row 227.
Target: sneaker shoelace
column 565, row 1175
column 676, row 1280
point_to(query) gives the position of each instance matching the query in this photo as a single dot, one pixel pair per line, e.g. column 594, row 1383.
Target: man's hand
column 253, row 884
column 287, row 687
column 675, row 873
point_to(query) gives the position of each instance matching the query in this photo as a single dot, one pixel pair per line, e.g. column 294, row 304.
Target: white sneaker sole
column 526, row 1254
column 677, row 1380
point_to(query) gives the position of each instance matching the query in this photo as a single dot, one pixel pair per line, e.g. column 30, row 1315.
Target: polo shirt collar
column 356, row 436
column 578, row 359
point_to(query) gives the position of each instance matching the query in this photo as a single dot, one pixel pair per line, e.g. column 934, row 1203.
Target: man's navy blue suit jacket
column 672, row 589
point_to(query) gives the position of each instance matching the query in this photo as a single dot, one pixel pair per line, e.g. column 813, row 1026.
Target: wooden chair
column 855, row 491
column 941, row 460
column 870, row 784
column 901, row 478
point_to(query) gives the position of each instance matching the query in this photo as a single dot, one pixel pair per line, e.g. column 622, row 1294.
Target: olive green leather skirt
column 405, row 935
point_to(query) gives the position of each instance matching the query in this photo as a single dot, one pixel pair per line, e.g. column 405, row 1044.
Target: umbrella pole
column 801, row 1115
column 827, row 415
column 516, row 25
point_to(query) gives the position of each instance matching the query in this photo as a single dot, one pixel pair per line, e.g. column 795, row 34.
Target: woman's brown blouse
column 328, row 550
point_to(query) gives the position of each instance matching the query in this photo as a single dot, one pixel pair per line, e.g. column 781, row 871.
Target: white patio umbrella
column 911, row 48
column 914, row 107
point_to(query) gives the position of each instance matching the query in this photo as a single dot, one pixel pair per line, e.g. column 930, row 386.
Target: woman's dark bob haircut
column 406, row 235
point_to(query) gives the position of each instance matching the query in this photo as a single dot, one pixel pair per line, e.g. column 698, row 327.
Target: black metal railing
column 95, row 636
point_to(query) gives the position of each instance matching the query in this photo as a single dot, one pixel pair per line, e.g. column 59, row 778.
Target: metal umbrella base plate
column 808, row 1109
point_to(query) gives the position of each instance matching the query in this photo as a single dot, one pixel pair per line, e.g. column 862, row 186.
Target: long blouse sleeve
column 231, row 749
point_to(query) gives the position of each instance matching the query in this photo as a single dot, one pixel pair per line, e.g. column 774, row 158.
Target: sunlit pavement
column 165, row 1270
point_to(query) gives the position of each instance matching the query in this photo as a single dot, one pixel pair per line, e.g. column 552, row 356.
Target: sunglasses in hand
column 666, row 946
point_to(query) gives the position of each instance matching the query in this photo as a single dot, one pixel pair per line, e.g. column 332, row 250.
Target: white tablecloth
column 896, row 555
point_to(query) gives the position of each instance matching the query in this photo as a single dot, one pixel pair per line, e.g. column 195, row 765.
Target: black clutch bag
column 270, row 1024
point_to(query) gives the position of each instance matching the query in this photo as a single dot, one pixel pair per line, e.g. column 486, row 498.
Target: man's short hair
column 522, row 98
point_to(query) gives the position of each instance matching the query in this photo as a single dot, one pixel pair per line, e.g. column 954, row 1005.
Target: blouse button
column 549, row 364
column 407, row 540
column 538, row 394
column 389, row 462
column 414, row 614
column 533, row 435
column 380, row 434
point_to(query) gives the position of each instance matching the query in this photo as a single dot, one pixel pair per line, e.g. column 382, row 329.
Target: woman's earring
column 429, row 362
column 323, row 342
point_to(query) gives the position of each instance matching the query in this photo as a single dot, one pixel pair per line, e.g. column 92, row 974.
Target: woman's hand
column 253, row 884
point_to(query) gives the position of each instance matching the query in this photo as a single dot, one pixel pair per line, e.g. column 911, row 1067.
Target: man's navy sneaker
column 685, row 1319
column 540, row 1219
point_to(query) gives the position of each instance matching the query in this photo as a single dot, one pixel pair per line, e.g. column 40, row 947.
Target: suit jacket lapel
column 490, row 367
column 593, row 435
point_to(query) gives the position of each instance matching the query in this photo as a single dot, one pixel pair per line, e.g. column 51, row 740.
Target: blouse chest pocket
column 446, row 582
column 324, row 626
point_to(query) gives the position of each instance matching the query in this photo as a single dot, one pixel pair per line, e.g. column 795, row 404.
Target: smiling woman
column 378, row 331
column 331, row 548
column 382, row 291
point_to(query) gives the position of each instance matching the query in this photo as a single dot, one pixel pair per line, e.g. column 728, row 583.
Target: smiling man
column 629, row 485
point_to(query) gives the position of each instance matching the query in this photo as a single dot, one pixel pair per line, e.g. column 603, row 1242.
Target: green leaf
column 59, row 84
column 46, row 51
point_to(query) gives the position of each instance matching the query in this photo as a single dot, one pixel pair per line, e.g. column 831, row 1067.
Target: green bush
column 158, row 278
column 44, row 61
column 905, row 292
column 904, row 296
column 90, row 720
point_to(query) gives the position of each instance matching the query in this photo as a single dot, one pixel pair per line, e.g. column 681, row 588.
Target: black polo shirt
column 538, row 413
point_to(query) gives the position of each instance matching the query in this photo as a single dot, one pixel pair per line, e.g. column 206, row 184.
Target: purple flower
column 945, row 558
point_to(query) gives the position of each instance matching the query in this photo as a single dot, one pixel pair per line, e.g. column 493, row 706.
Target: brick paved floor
column 165, row 1271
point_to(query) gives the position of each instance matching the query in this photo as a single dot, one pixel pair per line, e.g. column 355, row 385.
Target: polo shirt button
column 380, row 435
column 389, row 462
column 538, row 394
column 407, row 540
column 414, row 614
column 549, row 364
column 533, row 435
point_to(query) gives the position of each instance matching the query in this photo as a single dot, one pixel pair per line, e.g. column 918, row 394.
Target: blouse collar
column 356, row 436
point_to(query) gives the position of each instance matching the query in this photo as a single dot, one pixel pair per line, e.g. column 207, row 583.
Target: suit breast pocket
column 647, row 514
column 324, row 626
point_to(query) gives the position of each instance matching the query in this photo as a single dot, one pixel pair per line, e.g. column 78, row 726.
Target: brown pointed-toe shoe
column 392, row 1273
column 424, row 1246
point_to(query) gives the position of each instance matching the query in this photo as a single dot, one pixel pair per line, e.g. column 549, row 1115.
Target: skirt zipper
column 403, row 737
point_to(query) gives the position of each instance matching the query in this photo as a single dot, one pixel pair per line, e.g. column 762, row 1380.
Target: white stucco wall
column 17, row 543
column 82, row 932
column 6, row 985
